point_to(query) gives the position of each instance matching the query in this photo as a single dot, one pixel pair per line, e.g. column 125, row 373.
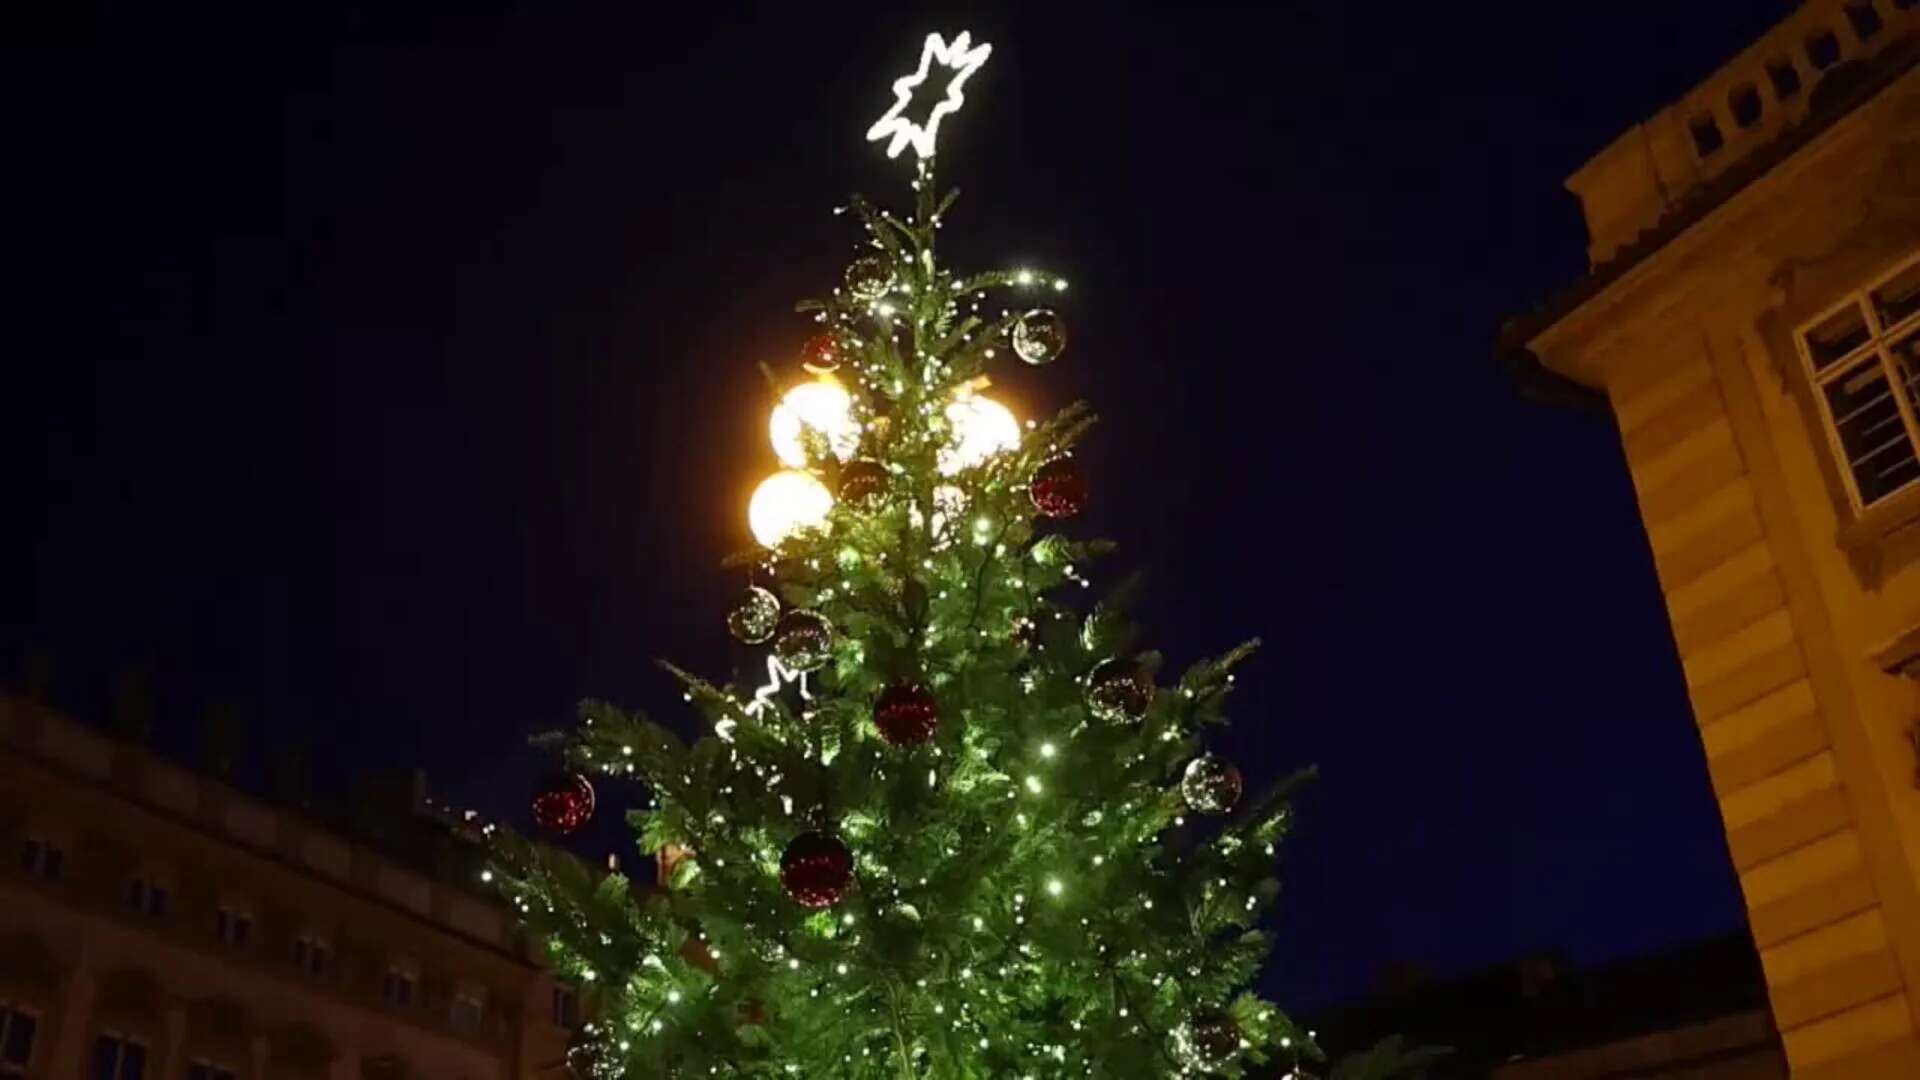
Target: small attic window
column 1744, row 104
column 1866, row 21
column 1823, row 50
column 1706, row 135
column 1784, row 76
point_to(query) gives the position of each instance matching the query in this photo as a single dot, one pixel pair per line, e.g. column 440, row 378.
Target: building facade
column 1752, row 319
column 157, row 923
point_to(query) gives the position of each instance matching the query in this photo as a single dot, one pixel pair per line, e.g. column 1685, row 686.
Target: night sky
column 392, row 376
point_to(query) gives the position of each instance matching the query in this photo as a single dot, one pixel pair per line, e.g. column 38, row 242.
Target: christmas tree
column 962, row 831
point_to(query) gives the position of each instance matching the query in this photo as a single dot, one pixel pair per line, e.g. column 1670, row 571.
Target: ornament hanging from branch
column 816, row 869
column 906, row 714
column 870, row 277
column 863, row 483
column 1039, row 337
column 1210, row 785
column 821, row 354
column 803, row 640
column 752, row 622
column 563, row 803
column 1058, row 488
column 1207, row 1040
column 1119, row 691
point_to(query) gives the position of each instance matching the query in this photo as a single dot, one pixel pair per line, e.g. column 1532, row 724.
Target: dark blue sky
column 392, row 375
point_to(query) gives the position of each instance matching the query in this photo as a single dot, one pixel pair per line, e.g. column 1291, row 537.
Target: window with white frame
column 402, row 982
column 566, row 1006
column 43, row 858
column 18, row 1027
column 117, row 1057
column 1864, row 359
column 312, row 954
column 233, row 925
column 467, row 1010
column 147, row 896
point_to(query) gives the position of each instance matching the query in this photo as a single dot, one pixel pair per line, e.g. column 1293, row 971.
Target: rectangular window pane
column 106, row 1058
column 133, row 1061
column 1898, row 299
column 1841, row 333
column 1872, row 436
column 17, row 1049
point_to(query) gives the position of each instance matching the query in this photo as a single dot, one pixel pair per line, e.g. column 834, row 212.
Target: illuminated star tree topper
column 962, row 58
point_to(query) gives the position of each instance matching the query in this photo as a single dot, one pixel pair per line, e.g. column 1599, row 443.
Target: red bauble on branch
column 822, row 354
column 1058, row 489
column 563, row 803
column 906, row 714
column 816, row 870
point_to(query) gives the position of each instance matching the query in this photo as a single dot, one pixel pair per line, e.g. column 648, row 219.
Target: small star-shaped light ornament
column 964, row 58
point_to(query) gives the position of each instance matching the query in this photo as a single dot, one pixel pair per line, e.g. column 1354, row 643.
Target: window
column 206, row 1070
column 398, row 987
column 116, row 1057
column 1785, row 77
column 1744, row 104
column 233, row 926
column 1866, row 21
column 17, row 1029
column 42, row 858
column 1706, row 135
column 566, row 1007
column 1823, row 50
column 311, row 954
column 147, row 897
column 1864, row 359
column 466, row 1012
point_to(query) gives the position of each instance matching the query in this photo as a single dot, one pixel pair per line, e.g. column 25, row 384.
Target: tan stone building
column 1753, row 319
column 156, row 923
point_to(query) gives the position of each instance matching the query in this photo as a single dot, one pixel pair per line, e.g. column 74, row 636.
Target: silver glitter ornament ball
column 1040, row 336
column 870, row 277
column 753, row 621
column 1211, row 785
column 1208, row 1040
column 803, row 640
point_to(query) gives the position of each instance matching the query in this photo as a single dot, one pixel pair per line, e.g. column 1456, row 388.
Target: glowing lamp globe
column 822, row 405
column 982, row 427
column 785, row 503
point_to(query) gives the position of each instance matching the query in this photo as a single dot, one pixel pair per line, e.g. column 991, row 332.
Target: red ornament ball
column 816, row 870
column 1119, row 691
column 563, row 803
column 822, row 354
column 906, row 714
column 1058, row 488
column 863, row 482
